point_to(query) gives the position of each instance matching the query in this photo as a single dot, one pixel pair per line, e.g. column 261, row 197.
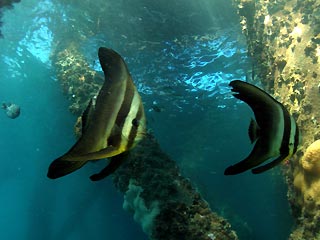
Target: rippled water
column 182, row 55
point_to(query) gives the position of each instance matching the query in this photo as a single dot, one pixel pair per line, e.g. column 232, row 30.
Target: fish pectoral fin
column 268, row 165
column 257, row 156
column 110, row 168
column 59, row 168
column 254, row 131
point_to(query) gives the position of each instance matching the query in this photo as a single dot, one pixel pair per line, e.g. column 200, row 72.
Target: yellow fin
column 107, row 152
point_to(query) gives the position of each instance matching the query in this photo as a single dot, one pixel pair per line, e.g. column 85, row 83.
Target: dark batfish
column 274, row 132
column 111, row 126
column 12, row 110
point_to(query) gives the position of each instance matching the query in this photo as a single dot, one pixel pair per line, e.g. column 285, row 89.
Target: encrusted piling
column 165, row 203
column 3, row 5
column 284, row 43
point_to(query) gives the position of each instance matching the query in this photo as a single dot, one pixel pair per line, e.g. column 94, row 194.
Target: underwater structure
column 283, row 39
column 6, row 4
column 163, row 201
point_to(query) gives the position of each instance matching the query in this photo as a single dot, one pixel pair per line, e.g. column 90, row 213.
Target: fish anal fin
column 254, row 131
column 59, row 168
column 258, row 155
column 110, row 168
column 269, row 165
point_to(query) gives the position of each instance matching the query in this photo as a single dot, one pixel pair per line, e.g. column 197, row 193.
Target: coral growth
column 79, row 82
column 310, row 161
column 307, row 176
column 141, row 214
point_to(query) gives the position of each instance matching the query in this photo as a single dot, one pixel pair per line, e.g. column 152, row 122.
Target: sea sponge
column 310, row 161
column 307, row 177
column 142, row 214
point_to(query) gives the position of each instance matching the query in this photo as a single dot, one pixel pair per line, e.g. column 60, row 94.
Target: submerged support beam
column 7, row 4
column 284, row 43
column 161, row 200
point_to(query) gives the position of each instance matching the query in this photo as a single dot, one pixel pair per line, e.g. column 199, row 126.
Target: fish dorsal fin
column 254, row 131
column 86, row 115
column 267, row 110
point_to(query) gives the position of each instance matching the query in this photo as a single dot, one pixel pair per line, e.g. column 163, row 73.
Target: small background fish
column 12, row 110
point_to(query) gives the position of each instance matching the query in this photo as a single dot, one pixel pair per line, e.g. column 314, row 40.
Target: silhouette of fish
column 12, row 110
column 275, row 132
column 111, row 126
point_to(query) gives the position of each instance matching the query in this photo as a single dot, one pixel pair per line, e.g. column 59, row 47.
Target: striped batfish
column 274, row 132
column 110, row 126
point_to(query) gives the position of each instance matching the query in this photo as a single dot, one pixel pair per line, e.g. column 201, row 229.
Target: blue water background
column 200, row 124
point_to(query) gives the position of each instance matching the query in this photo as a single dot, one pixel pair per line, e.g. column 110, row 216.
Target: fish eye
column 135, row 122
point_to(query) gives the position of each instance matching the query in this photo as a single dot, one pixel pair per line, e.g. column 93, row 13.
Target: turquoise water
column 182, row 56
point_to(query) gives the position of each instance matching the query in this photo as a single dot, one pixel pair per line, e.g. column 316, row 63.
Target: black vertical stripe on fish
column 277, row 135
column 296, row 139
column 115, row 137
column 285, row 144
column 126, row 106
column 132, row 116
column 124, row 138
column 284, row 150
column 135, row 127
column 108, row 123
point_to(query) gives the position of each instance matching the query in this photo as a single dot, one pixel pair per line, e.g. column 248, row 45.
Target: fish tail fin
column 59, row 168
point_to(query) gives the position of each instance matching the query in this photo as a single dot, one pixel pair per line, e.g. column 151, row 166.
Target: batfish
column 275, row 132
column 111, row 125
